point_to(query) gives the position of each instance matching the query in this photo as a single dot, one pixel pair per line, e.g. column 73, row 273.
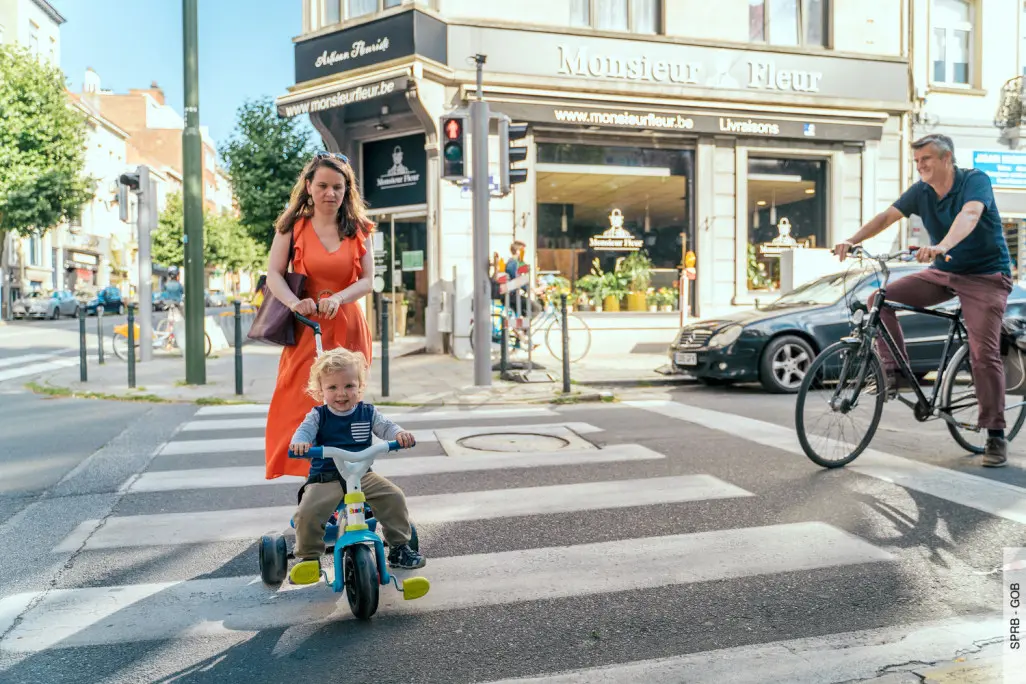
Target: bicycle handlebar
column 906, row 254
column 360, row 456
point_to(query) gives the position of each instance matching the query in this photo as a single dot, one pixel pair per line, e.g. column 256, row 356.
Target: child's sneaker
column 402, row 556
column 305, row 572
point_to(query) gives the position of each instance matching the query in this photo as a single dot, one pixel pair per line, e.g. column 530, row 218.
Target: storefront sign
column 1006, row 169
column 671, row 66
column 617, row 238
column 340, row 98
column 692, row 122
column 394, row 171
column 400, row 35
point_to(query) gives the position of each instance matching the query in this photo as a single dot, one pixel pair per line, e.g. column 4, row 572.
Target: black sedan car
column 775, row 343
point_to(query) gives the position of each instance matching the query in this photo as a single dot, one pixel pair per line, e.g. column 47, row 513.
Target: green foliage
column 636, row 269
column 42, row 147
column 264, row 160
column 226, row 243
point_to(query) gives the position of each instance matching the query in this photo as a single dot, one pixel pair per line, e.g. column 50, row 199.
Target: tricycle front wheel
column 274, row 562
column 361, row 579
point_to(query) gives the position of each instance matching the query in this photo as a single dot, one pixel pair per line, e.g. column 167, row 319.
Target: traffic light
column 127, row 182
column 454, row 149
column 509, row 155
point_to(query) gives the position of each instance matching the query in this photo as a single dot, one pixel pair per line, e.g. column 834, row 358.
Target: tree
column 263, row 161
column 226, row 243
column 42, row 148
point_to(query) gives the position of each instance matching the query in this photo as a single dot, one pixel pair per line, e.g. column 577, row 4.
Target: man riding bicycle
column 970, row 260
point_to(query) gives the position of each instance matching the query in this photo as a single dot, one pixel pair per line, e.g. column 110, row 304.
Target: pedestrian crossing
column 641, row 518
column 25, row 365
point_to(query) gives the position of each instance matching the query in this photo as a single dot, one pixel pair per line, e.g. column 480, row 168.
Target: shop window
column 788, row 22
column 952, row 41
column 635, row 16
column 786, row 210
column 603, row 203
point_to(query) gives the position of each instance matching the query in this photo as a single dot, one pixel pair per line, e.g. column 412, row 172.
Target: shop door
column 406, row 282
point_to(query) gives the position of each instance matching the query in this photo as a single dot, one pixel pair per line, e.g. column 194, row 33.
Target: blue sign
column 1006, row 169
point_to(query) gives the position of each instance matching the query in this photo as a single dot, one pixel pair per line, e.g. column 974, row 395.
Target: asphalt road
column 677, row 528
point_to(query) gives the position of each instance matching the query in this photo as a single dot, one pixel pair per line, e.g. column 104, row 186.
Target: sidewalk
column 415, row 378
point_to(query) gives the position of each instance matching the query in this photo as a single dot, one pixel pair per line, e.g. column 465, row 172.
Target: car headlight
column 726, row 336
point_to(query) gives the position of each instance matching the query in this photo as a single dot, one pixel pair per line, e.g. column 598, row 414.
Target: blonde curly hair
column 334, row 361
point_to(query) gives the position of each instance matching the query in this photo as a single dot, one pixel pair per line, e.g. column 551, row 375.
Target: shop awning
column 338, row 95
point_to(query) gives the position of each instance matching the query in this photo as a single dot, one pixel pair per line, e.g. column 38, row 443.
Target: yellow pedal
column 415, row 587
column 305, row 572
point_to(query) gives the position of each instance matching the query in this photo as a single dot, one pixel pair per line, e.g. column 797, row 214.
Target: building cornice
column 50, row 11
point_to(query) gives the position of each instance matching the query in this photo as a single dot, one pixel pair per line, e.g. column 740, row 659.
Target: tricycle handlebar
column 367, row 454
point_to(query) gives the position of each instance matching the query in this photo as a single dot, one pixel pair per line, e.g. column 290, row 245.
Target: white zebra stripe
column 65, row 618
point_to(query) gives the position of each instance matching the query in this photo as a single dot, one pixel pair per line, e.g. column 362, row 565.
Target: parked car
column 110, row 298
column 46, row 305
column 775, row 343
column 216, row 298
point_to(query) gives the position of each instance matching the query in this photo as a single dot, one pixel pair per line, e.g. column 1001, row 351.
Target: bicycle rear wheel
column 958, row 392
column 578, row 338
column 836, row 436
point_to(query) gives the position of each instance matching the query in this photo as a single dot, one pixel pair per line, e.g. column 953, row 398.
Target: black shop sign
column 395, row 172
column 400, row 35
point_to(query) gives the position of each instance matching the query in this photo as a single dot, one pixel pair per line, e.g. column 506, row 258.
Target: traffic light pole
column 479, row 117
column 192, row 154
column 145, row 222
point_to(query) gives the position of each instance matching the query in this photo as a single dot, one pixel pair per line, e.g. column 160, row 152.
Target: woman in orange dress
column 326, row 222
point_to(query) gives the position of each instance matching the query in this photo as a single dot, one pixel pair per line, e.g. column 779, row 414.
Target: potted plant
column 636, row 270
column 586, row 287
column 402, row 309
column 612, row 290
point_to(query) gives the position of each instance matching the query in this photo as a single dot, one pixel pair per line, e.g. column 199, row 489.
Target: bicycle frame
column 924, row 407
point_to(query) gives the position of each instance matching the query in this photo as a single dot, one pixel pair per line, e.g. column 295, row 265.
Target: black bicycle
column 848, row 376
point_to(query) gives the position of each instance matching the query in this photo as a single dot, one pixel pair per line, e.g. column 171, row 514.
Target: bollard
column 566, row 346
column 131, row 346
column 238, row 347
column 503, row 353
column 82, row 373
column 99, row 333
column 384, row 346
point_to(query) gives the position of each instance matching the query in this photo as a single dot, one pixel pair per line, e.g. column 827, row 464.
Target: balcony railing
column 1011, row 113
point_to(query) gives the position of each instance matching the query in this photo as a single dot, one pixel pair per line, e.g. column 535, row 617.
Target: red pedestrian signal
column 453, row 129
column 453, row 148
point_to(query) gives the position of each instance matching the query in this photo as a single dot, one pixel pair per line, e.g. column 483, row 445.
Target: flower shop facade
column 641, row 150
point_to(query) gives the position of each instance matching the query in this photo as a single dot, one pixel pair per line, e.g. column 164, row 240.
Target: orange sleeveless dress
column 326, row 273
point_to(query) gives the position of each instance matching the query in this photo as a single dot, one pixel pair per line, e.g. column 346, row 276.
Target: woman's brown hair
column 352, row 215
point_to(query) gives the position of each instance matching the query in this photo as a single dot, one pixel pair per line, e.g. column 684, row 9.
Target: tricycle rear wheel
column 274, row 554
column 361, row 579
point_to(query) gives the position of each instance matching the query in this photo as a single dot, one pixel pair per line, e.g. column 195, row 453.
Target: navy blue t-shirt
column 984, row 250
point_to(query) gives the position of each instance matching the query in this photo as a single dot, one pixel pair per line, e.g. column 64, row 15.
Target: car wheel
column 785, row 361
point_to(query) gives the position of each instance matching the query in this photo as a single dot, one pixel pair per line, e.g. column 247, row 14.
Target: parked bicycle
column 163, row 338
column 848, row 376
column 547, row 324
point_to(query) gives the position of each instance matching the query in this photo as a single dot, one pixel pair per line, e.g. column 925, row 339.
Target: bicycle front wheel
column 578, row 336
column 120, row 344
column 839, row 404
column 958, row 392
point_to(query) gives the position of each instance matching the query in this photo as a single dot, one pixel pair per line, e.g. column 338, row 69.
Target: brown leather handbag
column 274, row 322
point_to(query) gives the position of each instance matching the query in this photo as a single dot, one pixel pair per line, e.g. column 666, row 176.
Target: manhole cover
column 513, row 441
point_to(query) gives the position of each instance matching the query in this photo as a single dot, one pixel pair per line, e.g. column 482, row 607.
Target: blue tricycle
column 361, row 572
column 360, row 552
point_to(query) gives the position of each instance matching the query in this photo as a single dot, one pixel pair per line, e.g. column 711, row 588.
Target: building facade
column 968, row 61
column 768, row 125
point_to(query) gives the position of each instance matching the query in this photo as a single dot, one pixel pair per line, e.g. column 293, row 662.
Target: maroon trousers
column 983, row 299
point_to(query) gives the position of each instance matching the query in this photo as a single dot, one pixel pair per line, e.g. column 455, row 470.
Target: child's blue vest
column 352, row 432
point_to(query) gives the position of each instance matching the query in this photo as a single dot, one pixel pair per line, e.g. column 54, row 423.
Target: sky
column 245, row 50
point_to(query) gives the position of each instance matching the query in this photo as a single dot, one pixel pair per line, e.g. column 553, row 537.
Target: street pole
column 479, row 116
column 145, row 222
column 192, row 154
